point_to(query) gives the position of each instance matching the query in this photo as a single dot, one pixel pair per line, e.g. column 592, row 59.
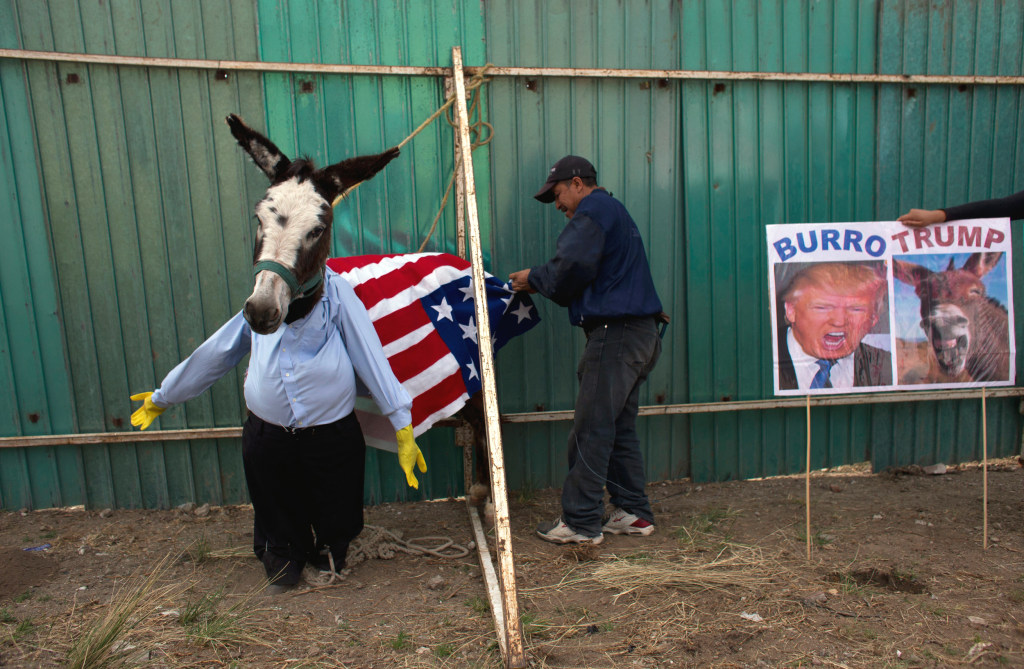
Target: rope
column 478, row 138
column 373, row 543
column 383, row 544
column 475, row 132
column 379, row 543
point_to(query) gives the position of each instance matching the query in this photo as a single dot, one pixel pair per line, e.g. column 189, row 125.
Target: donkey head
column 956, row 314
column 293, row 234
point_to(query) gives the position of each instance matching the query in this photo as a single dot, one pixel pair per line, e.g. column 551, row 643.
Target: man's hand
column 409, row 454
column 919, row 218
column 147, row 413
column 518, row 281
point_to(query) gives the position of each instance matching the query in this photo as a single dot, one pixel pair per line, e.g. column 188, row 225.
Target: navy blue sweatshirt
column 600, row 268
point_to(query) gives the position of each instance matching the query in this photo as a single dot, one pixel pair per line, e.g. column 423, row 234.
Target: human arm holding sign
column 1011, row 207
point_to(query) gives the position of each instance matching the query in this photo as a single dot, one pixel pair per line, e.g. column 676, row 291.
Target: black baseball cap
column 565, row 169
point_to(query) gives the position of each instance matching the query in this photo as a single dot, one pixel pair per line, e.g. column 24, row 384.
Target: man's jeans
column 603, row 445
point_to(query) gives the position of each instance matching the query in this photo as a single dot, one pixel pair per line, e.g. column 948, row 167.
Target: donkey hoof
column 478, row 493
column 489, row 514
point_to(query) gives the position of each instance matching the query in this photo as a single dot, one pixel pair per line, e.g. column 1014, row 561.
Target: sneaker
column 558, row 532
column 623, row 522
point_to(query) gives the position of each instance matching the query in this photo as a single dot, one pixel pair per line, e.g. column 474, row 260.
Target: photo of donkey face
column 293, row 234
column 967, row 331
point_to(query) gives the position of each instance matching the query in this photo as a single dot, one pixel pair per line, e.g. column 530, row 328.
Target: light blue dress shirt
column 303, row 374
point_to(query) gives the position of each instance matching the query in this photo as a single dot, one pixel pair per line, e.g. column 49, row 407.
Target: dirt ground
column 898, row 577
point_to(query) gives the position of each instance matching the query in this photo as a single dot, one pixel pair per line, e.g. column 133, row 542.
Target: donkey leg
column 473, row 413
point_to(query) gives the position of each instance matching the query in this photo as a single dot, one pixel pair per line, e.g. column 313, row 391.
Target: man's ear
column 790, row 312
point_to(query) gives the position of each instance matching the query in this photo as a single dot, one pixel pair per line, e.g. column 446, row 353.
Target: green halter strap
column 289, row 278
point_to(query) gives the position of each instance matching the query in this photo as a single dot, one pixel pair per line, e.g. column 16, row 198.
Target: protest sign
column 867, row 307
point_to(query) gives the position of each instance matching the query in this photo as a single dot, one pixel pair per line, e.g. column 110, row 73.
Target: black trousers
column 306, row 489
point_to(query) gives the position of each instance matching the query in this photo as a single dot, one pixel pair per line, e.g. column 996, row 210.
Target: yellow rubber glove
column 147, row 413
column 408, row 455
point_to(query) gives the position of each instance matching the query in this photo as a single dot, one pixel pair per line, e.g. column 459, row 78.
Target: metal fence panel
column 142, row 204
column 133, row 205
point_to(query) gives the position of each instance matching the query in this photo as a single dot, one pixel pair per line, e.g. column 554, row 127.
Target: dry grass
column 659, row 602
column 149, row 612
column 207, row 623
column 105, row 641
column 735, row 567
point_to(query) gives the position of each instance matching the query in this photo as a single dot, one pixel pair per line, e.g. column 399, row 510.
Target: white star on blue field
column 452, row 312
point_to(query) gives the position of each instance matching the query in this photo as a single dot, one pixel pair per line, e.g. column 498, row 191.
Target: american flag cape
column 421, row 305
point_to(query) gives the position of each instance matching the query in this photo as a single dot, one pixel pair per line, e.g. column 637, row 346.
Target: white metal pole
column 515, row 654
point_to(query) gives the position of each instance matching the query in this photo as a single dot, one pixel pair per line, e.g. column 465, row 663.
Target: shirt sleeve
column 1011, row 206
column 575, row 265
column 367, row 355
column 214, row 358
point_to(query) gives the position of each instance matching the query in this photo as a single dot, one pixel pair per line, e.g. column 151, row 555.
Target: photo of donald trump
column 826, row 310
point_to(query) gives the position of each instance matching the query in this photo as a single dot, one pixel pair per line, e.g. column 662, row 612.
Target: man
column 600, row 273
column 829, row 307
column 1011, row 207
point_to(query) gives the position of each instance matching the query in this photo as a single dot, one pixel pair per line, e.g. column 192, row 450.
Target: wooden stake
column 515, row 655
column 807, row 482
column 984, row 472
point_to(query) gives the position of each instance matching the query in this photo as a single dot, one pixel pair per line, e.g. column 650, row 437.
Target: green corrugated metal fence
column 705, row 165
column 130, row 206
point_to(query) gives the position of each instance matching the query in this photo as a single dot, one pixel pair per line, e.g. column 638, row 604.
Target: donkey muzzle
column 948, row 331
column 276, row 287
column 264, row 315
column 267, row 307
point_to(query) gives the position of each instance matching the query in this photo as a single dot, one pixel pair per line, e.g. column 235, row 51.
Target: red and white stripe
column 391, row 288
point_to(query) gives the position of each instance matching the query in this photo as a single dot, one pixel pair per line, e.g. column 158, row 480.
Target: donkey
column 293, row 230
column 968, row 332
column 293, row 238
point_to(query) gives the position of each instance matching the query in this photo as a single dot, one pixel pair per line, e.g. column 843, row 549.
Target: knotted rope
column 378, row 543
column 478, row 137
column 381, row 543
column 374, row 543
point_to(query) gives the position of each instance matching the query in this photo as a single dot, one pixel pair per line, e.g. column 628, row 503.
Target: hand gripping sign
column 866, row 307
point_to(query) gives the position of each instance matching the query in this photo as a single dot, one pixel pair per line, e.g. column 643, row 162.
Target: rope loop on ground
column 381, row 542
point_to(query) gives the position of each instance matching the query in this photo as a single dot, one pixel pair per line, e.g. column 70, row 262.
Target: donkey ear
column 338, row 179
column 909, row 273
column 980, row 264
column 262, row 151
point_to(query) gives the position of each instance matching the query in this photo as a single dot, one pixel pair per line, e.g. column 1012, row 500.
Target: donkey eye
column 317, row 231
